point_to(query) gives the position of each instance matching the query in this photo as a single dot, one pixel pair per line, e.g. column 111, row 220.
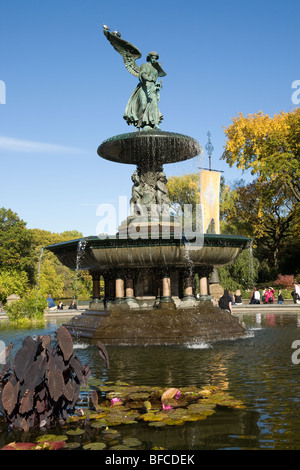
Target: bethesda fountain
column 149, row 265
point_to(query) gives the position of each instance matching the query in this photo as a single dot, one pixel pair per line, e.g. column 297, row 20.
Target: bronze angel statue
column 142, row 108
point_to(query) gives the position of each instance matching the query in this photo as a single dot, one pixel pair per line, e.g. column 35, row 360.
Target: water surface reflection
column 257, row 369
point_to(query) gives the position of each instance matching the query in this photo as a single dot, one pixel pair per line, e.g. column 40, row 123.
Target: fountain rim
column 209, row 240
column 113, row 147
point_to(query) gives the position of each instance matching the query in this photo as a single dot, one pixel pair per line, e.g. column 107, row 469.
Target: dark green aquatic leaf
column 72, row 445
column 76, row 366
column 51, row 438
column 56, row 384
column 120, row 447
column 94, row 398
column 103, row 353
column 131, row 442
column 10, row 396
column 65, row 342
column 99, row 423
column 95, row 446
column 75, row 432
column 24, row 357
column 26, row 402
column 35, row 373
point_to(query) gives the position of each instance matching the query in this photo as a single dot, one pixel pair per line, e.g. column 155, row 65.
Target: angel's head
column 152, row 55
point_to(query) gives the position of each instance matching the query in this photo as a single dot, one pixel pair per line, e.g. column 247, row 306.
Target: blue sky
column 67, row 88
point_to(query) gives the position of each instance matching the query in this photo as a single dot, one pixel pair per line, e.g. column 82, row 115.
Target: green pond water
column 259, row 369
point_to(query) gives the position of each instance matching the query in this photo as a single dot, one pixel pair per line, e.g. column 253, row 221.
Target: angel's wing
column 128, row 51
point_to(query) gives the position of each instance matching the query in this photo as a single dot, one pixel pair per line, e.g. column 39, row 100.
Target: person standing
column 280, row 297
column 296, row 292
column 256, row 296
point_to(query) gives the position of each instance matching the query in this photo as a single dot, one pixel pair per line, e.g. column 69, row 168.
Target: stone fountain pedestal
column 124, row 326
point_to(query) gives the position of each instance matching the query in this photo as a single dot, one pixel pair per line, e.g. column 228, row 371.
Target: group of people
column 60, row 306
column 267, row 296
column 229, row 298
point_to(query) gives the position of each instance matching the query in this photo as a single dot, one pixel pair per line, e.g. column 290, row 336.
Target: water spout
column 79, row 258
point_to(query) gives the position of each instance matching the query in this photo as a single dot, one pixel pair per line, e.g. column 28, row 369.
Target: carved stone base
column 156, row 326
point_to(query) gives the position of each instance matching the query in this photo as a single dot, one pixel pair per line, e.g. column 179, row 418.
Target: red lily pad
column 19, row 446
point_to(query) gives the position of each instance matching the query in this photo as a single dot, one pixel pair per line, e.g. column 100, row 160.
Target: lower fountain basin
column 123, row 326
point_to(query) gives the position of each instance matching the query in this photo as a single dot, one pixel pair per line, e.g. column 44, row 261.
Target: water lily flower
column 166, row 407
column 116, row 401
column 170, row 393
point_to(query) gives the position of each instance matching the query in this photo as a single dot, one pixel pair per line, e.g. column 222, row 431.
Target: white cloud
column 19, row 145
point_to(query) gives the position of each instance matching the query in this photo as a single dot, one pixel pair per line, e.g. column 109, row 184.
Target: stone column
column 96, row 285
column 203, row 278
column 96, row 303
column 129, row 290
column 119, row 289
column 188, row 283
column 166, row 300
column 166, row 287
column 188, row 299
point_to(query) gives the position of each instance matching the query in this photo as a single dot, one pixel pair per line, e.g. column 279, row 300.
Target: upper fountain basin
column 152, row 146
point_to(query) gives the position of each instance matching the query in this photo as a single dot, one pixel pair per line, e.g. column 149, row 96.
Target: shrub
column 285, row 282
column 13, row 281
column 31, row 306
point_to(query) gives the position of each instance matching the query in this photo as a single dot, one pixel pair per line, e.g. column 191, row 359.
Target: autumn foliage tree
column 268, row 146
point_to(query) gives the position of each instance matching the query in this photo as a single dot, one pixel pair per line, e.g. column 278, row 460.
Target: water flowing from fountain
column 38, row 281
column 79, row 258
column 39, row 269
column 251, row 269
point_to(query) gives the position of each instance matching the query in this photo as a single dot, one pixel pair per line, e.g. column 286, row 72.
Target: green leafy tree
column 15, row 243
column 13, row 281
column 32, row 306
column 265, row 211
column 242, row 273
column 183, row 190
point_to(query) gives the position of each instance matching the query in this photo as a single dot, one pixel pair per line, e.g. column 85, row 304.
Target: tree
column 270, row 147
column 54, row 277
column 264, row 211
column 242, row 273
column 183, row 190
column 13, row 281
column 15, row 243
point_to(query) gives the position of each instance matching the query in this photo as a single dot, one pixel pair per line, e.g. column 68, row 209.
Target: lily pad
column 120, row 447
column 131, row 442
column 51, row 438
column 157, row 424
column 19, row 446
column 99, row 424
column 95, row 446
column 75, row 432
column 72, row 445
